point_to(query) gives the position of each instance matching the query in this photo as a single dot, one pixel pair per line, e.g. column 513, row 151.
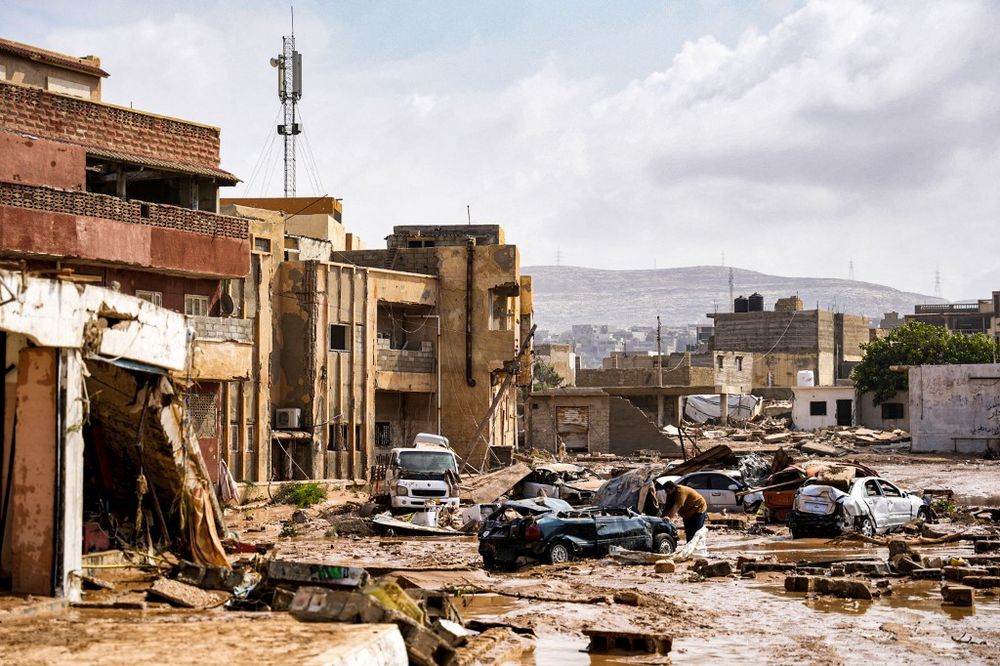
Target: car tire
column 867, row 527
column 559, row 553
column 798, row 533
column 664, row 544
column 924, row 513
column 489, row 562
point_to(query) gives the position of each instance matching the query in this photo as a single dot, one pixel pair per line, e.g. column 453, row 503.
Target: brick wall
column 112, row 208
column 405, row 360
column 222, row 328
column 413, row 260
column 97, row 125
column 542, row 420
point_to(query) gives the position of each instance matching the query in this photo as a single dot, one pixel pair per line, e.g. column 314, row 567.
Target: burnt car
column 515, row 535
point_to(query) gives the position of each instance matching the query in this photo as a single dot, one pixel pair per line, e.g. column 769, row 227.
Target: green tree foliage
column 915, row 343
column 544, row 376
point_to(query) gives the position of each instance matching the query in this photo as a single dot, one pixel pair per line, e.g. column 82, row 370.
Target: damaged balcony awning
column 127, row 364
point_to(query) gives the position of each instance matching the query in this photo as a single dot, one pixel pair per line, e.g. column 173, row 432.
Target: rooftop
column 86, row 64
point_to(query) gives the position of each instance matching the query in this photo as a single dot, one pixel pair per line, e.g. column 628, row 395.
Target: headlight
column 402, row 490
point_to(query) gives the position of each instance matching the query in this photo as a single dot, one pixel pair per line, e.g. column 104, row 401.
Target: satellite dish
column 226, row 305
column 275, row 62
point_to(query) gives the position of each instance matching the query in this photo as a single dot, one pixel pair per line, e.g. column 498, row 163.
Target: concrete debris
column 183, row 595
column 316, row 574
column 845, row 588
column 496, row 646
column 664, row 566
column 714, row 569
column 603, row 641
column 958, row 595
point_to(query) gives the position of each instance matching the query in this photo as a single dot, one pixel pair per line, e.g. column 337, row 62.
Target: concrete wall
column 803, row 396
column 39, row 162
column 541, row 425
column 955, row 408
column 561, row 358
column 779, row 369
column 31, row 72
column 632, row 430
column 870, row 415
column 801, row 332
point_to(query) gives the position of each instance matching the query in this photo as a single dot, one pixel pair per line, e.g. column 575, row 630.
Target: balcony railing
column 54, row 200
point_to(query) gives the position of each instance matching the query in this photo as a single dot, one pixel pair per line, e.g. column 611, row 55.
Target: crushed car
column 566, row 481
column 780, row 488
column 526, row 531
column 870, row 505
column 634, row 490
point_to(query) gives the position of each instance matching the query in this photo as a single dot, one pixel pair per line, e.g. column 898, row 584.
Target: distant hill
column 567, row 295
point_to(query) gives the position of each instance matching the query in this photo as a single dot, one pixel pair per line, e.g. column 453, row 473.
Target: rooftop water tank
column 741, row 304
column 756, row 302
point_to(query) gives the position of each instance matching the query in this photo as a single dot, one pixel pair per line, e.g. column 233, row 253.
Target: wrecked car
column 513, row 536
column 565, row 481
column 780, row 488
column 722, row 490
column 634, row 490
column 869, row 505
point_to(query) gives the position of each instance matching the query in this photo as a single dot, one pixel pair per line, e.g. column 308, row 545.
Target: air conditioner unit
column 288, row 418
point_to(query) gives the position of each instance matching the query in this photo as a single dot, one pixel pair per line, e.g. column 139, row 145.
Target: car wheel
column 867, row 527
column 559, row 553
column 798, row 533
column 924, row 514
column 664, row 544
column 489, row 562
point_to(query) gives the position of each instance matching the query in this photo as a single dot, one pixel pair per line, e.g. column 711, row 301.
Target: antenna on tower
column 850, row 270
column 732, row 303
column 289, row 66
column 937, row 283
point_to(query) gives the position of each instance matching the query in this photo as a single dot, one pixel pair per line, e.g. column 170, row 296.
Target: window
column 250, row 437
column 234, row 437
column 262, row 244
column 722, row 482
column 890, row 490
column 383, row 434
column 195, row 306
column 154, row 297
column 720, row 361
column 338, row 337
column 872, row 489
column 698, row 482
column 817, row 408
column 892, row 410
column 501, row 314
column 739, row 363
column 144, row 210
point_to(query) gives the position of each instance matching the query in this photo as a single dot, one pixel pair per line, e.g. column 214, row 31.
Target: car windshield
column 433, row 462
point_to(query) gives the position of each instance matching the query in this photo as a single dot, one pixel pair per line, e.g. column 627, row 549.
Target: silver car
column 722, row 490
column 870, row 505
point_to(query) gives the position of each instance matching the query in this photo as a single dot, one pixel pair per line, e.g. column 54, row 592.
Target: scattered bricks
column 798, row 583
column 664, row 567
column 603, row 642
column 904, row 565
column 981, row 582
column 958, row 573
column 927, row 574
column 932, row 562
column 698, row 563
column 838, row 570
column 873, row 568
column 987, row 546
column 452, row 633
column 958, row 595
column 207, row 577
column 716, row 569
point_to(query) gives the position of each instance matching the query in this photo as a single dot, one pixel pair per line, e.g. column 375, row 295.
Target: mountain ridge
column 567, row 295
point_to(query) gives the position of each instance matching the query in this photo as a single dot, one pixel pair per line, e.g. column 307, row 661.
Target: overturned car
column 541, row 530
column 869, row 505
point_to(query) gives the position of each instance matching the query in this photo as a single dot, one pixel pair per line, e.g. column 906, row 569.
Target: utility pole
column 732, row 303
column 850, row 270
column 659, row 373
column 289, row 65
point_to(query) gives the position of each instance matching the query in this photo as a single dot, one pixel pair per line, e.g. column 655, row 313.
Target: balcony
column 407, row 370
column 48, row 221
column 222, row 349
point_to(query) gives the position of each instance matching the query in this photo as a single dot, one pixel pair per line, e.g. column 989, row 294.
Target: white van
column 424, row 475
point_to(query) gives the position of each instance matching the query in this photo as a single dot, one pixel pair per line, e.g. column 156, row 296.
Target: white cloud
column 851, row 129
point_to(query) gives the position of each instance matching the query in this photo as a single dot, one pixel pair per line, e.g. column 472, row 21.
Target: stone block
column 958, row 573
column 844, row 588
column 716, row 569
column 958, row 595
column 664, row 567
column 798, row 583
column 874, row 568
column 981, row 582
column 927, row 573
column 987, row 546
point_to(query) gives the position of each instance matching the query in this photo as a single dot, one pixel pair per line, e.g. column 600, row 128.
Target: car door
column 703, row 484
column 879, row 508
column 900, row 505
column 722, row 496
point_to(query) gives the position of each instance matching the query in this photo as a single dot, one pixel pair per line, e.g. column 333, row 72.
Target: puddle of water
column 485, row 606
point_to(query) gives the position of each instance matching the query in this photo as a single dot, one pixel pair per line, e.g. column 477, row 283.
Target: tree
column 915, row 343
column 544, row 376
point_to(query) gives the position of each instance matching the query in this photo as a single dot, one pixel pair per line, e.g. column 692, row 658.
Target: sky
column 787, row 137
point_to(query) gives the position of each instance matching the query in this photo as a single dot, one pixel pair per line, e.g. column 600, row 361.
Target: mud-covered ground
column 750, row 620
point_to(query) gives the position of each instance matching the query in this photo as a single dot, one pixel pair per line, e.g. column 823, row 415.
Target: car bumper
column 831, row 522
column 405, row 502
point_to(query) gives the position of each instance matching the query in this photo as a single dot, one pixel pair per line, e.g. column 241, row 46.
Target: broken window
column 154, row 297
column 501, row 311
column 817, row 408
column 250, row 437
column 195, row 306
column 338, row 337
column 262, row 244
column 203, row 411
column 739, row 363
column 721, row 360
column 892, row 410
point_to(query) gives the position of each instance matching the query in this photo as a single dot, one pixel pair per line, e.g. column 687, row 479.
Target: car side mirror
column 734, row 487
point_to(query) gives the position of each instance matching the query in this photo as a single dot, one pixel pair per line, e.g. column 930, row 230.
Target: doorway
column 845, row 412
